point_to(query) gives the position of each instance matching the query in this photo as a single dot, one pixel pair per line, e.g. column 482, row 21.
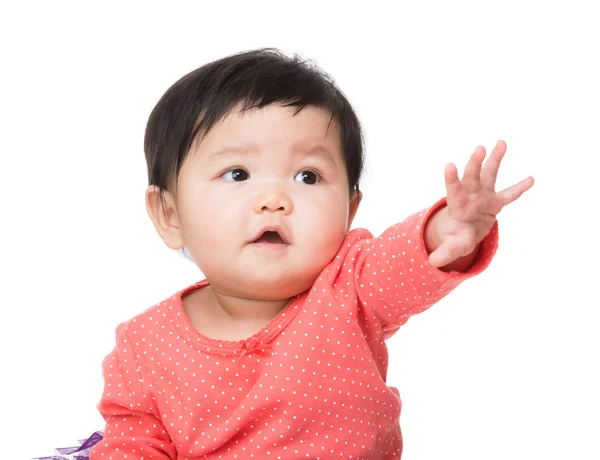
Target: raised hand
column 472, row 206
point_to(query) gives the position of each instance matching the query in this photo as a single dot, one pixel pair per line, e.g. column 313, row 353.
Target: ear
column 164, row 217
column 354, row 203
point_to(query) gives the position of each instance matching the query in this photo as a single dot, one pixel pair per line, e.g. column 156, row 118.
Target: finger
column 513, row 192
column 489, row 173
column 440, row 257
column 471, row 177
column 456, row 196
column 450, row 250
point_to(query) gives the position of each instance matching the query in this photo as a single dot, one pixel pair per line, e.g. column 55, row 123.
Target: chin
column 276, row 288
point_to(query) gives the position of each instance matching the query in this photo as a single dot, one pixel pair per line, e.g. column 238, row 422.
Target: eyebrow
column 231, row 150
column 320, row 151
column 317, row 150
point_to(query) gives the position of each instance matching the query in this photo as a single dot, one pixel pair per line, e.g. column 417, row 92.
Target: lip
column 272, row 228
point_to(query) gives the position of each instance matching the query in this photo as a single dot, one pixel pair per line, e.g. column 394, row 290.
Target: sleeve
column 393, row 279
column 133, row 431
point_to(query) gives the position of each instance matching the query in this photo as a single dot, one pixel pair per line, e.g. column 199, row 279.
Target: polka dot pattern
column 311, row 384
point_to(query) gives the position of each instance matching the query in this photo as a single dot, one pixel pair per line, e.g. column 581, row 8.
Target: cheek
column 333, row 208
column 324, row 218
column 211, row 218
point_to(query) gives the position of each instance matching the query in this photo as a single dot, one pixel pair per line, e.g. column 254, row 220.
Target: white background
column 505, row 367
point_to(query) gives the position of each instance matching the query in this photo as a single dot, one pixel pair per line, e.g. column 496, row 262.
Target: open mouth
column 270, row 237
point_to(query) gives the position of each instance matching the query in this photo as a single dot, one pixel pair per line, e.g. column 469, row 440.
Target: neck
column 243, row 310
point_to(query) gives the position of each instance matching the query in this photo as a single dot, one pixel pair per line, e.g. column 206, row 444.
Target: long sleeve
column 392, row 277
column 133, row 431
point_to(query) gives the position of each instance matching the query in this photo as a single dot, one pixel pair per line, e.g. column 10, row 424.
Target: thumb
column 451, row 249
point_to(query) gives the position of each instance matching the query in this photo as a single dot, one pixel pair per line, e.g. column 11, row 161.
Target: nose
column 272, row 199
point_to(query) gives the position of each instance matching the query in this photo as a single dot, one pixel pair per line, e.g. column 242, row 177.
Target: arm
column 393, row 278
column 412, row 265
column 133, row 430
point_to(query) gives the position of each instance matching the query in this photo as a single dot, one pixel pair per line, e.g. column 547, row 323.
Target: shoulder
column 355, row 236
column 348, row 253
column 156, row 318
column 353, row 241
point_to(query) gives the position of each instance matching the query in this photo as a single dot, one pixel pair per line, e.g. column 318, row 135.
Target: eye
column 307, row 177
column 236, row 175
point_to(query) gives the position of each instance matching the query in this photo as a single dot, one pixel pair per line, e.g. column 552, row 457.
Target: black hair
column 250, row 79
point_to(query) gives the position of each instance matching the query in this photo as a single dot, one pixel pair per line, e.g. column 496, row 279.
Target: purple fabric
column 82, row 451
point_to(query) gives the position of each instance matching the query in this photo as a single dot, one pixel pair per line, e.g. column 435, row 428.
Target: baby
column 254, row 164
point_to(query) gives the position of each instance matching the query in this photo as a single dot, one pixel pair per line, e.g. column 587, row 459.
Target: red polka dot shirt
column 311, row 384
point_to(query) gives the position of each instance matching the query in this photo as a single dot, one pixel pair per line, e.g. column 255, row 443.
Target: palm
column 473, row 203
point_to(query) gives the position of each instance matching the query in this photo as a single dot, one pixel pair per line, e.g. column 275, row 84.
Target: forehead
column 273, row 126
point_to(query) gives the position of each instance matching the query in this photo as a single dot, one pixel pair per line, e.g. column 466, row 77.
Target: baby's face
column 266, row 170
